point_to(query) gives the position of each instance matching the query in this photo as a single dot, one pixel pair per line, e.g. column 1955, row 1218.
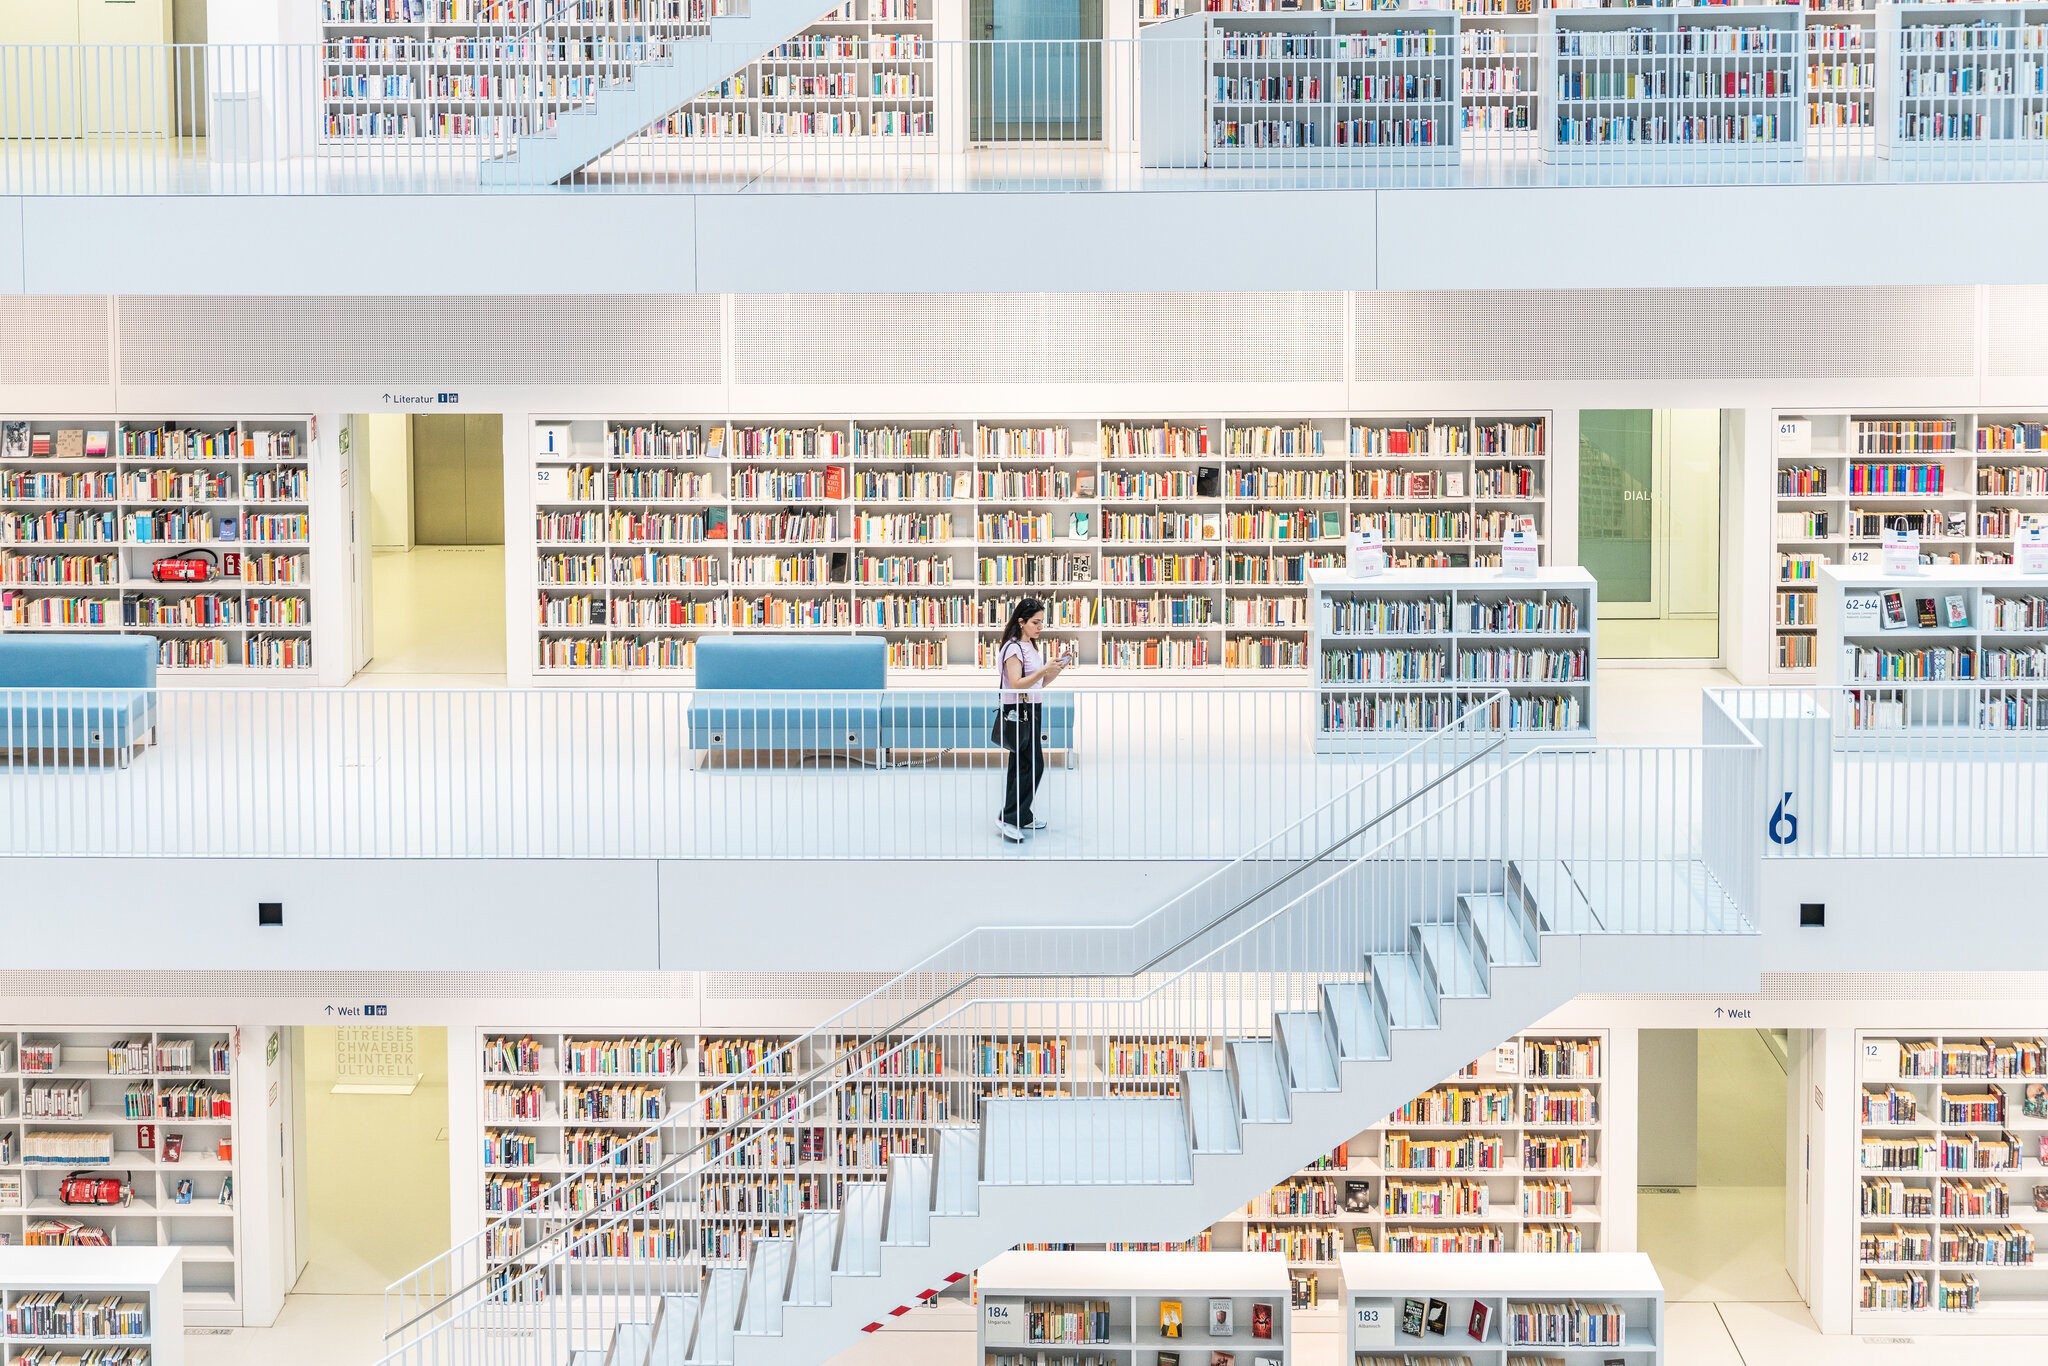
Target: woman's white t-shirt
column 1030, row 659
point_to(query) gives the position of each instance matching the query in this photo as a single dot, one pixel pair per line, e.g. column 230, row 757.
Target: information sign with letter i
column 1365, row 554
column 1901, row 550
column 1518, row 554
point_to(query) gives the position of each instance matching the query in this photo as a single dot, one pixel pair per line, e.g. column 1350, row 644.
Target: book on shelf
column 1172, row 1316
column 1222, row 1318
column 1437, row 1321
column 1413, row 1313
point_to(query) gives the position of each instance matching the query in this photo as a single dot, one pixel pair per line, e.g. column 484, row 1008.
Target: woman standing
column 1022, row 673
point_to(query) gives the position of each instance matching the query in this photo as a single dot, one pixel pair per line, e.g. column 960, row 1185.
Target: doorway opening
column 1650, row 527
column 1712, row 1143
column 369, row 1156
column 1035, row 74
column 437, row 536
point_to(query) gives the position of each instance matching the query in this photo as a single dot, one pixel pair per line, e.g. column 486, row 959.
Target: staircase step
column 1360, row 1035
column 957, row 1175
column 1549, row 890
column 1404, row 981
column 860, row 1229
column 1504, row 927
column 1261, row 1080
column 817, row 1243
column 631, row 1342
column 675, row 1319
column 1210, row 1096
column 718, row 1316
column 1093, row 1141
column 1460, row 972
column 908, row 1216
column 1311, row 1061
column 768, row 1262
column 589, row 1356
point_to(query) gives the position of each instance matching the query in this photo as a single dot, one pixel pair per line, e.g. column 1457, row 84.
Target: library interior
column 1176, row 558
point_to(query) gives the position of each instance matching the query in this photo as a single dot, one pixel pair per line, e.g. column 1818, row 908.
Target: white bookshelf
column 87, row 504
column 1602, row 1308
column 1967, row 478
column 1119, row 1297
column 1718, row 83
column 1963, row 83
column 866, row 74
column 1287, row 89
column 1841, row 72
column 1407, row 651
column 1949, row 1164
column 1360, row 1198
column 1500, row 73
column 98, row 1117
column 1990, row 629
column 1160, row 544
column 131, row 1298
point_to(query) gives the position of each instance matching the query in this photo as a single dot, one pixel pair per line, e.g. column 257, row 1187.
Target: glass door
column 1036, row 71
column 1650, row 528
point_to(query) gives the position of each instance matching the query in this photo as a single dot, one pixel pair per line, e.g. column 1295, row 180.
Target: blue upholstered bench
column 916, row 719
column 819, row 694
column 64, row 697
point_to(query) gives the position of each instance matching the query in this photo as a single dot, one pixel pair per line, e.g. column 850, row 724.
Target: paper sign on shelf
column 1901, row 550
column 2030, row 547
column 1518, row 553
column 1372, row 1323
column 1365, row 554
column 1795, row 436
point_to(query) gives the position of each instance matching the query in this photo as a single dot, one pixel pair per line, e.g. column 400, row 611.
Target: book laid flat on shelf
column 1170, row 1318
column 1222, row 1319
column 1439, row 1318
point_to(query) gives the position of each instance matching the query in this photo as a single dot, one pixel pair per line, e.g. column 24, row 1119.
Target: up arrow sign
column 1718, row 1012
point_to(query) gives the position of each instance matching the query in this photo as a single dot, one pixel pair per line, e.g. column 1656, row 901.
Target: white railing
column 1903, row 770
column 388, row 112
column 1075, row 1017
column 647, row 773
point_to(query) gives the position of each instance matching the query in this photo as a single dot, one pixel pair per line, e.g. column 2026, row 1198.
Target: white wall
column 388, row 437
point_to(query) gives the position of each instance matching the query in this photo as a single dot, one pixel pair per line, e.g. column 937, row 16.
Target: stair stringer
column 659, row 87
column 1571, row 965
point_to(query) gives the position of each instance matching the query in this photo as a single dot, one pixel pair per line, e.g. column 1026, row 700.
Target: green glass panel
column 1615, row 487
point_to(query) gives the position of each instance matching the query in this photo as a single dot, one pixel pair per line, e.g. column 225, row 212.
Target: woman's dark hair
column 1025, row 610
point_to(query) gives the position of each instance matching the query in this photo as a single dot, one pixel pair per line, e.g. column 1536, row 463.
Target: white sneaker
column 1009, row 832
column 1036, row 825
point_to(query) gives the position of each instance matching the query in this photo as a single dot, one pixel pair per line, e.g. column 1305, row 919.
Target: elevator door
column 458, row 479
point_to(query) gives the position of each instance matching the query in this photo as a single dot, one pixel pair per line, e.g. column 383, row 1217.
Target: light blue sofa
column 821, row 694
column 918, row 719
column 830, row 694
column 68, row 696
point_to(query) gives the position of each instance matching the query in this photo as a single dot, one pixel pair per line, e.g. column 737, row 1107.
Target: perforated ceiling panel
column 55, row 340
column 657, row 339
column 348, row 985
column 1870, row 986
column 2016, row 331
column 1038, row 338
column 1675, row 334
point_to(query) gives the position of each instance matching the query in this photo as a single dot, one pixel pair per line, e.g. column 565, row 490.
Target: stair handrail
column 1484, row 708
column 806, row 1113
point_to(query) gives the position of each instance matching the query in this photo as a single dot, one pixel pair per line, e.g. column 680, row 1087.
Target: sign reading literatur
column 441, row 398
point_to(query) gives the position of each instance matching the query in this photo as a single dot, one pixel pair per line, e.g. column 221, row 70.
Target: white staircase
column 1115, row 1168
column 632, row 96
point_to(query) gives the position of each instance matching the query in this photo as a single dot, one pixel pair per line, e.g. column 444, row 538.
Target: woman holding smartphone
column 1022, row 672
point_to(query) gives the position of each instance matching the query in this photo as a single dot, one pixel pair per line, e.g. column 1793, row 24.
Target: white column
column 521, row 586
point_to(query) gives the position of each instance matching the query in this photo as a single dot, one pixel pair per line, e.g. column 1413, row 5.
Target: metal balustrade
column 1897, row 770
column 906, row 773
column 1563, row 98
column 1044, row 1057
